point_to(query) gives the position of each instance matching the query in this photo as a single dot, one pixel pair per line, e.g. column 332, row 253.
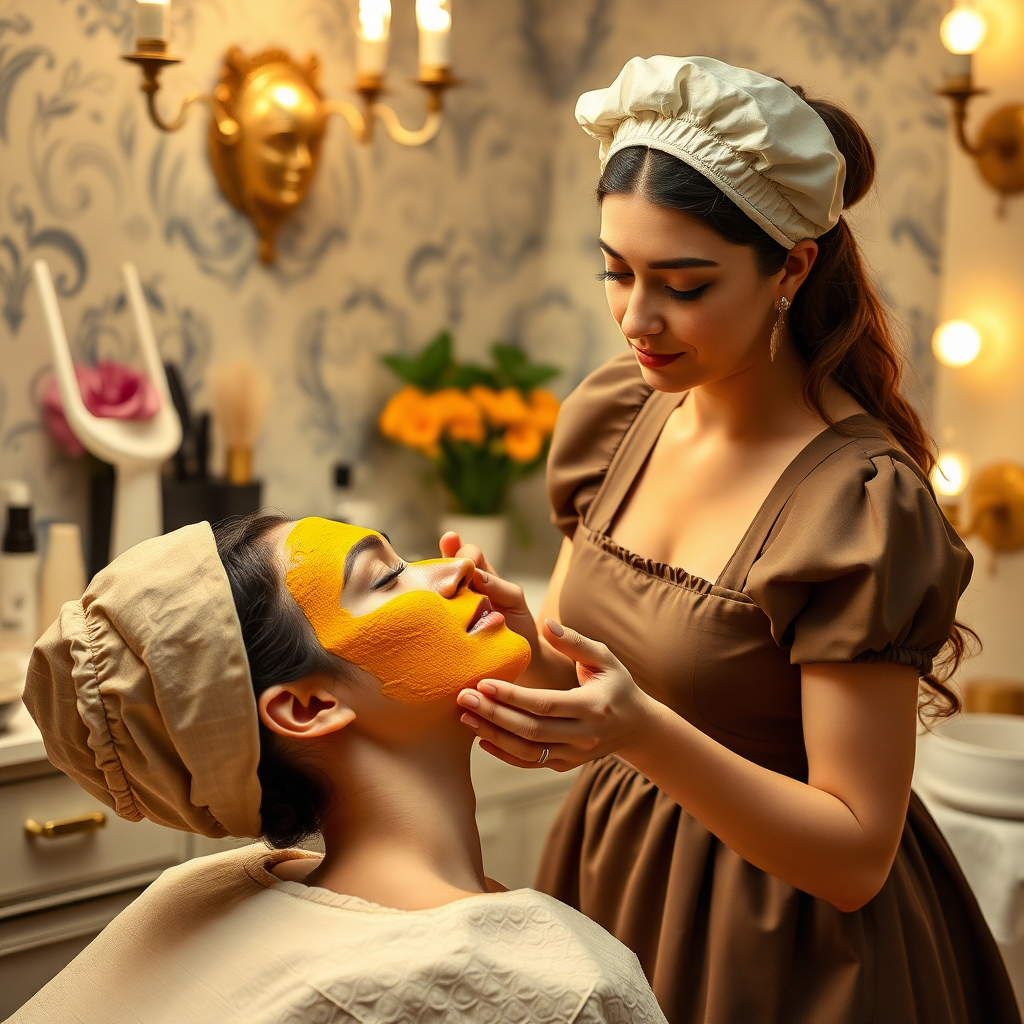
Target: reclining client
column 280, row 680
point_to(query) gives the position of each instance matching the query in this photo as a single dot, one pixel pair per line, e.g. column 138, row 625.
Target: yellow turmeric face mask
column 421, row 645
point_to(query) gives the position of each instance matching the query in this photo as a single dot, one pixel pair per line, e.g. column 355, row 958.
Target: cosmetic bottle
column 62, row 573
column 19, row 570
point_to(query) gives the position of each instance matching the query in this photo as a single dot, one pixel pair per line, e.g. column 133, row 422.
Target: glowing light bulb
column 431, row 16
column 374, row 19
column 956, row 343
column 950, row 474
column 435, row 25
column 962, row 30
column 372, row 40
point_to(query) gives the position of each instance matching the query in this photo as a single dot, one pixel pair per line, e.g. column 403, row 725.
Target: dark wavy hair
column 281, row 647
column 838, row 322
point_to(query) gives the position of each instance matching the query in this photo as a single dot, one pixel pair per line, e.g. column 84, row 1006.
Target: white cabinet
column 98, row 849
column 58, row 892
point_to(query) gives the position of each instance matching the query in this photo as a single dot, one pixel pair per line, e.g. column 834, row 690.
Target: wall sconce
column 996, row 507
column 999, row 149
column 956, row 343
column 993, row 503
column 269, row 115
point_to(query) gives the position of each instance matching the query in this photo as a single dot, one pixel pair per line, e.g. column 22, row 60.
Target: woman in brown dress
column 754, row 585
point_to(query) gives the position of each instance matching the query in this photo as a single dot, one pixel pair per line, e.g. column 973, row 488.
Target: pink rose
column 108, row 390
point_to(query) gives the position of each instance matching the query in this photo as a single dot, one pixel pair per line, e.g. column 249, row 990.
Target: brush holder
column 195, row 501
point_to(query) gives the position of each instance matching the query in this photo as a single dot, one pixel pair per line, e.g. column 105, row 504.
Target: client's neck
column 401, row 828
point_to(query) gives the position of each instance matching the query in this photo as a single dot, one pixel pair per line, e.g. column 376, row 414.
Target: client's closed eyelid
column 388, row 578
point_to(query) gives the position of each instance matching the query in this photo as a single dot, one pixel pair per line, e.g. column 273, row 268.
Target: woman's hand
column 606, row 713
column 452, row 547
column 505, row 597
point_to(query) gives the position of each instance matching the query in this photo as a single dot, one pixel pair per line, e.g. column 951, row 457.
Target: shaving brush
column 241, row 393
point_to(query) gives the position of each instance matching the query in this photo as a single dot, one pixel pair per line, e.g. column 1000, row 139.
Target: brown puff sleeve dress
column 849, row 559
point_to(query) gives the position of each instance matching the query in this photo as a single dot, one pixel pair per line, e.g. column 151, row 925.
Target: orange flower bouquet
column 484, row 428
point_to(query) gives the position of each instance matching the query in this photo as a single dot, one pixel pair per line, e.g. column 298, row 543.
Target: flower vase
column 488, row 533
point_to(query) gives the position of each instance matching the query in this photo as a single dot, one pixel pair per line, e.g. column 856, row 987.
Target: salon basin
column 975, row 762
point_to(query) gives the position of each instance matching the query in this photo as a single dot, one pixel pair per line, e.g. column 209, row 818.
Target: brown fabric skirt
column 722, row 942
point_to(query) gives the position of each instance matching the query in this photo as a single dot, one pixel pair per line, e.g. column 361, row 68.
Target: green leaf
column 427, row 370
column 533, row 376
column 404, row 368
column 515, row 369
column 468, row 374
column 434, row 360
column 508, row 358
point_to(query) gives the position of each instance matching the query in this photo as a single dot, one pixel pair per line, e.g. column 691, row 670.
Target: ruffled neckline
column 671, row 574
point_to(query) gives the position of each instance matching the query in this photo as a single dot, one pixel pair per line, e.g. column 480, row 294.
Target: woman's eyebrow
column 681, row 263
column 367, row 543
column 608, row 249
column 678, row 263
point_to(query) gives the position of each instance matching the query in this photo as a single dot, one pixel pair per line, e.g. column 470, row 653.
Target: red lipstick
column 654, row 361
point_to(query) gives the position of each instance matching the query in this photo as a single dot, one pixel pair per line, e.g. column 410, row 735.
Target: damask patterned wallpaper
column 488, row 230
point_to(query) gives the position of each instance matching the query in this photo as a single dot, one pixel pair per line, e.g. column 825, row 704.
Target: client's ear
column 303, row 709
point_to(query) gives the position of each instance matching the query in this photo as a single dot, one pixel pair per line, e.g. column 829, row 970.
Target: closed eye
column 613, row 275
column 388, row 578
column 688, row 296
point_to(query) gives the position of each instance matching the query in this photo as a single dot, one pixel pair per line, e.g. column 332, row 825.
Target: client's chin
column 490, row 650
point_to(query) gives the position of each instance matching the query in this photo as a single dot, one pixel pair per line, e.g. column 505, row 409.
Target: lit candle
column 435, row 24
column 372, row 38
column 962, row 31
column 152, row 18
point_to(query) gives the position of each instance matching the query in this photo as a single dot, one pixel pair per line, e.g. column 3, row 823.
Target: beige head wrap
column 142, row 690
column 751, row 135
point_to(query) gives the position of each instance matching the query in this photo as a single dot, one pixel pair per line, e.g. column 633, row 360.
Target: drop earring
column 776, row 342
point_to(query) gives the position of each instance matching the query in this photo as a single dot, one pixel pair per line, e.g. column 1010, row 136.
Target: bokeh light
column 951, row 473
column 962, row 30
column 956, row 343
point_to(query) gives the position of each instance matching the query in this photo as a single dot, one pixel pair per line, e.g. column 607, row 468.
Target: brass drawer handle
column 66, row 826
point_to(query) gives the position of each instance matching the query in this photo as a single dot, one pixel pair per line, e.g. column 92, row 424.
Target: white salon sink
column 975, row 762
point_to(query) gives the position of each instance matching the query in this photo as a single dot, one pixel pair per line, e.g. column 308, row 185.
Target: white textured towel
column 221, row 940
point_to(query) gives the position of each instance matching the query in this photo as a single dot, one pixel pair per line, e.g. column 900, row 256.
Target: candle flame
column 963, row 29
column 431, row 16
column 374, row 19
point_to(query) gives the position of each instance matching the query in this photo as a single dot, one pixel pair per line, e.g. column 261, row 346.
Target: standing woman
column 754, row 585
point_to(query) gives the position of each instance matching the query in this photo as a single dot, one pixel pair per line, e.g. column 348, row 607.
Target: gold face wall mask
column 417, row 644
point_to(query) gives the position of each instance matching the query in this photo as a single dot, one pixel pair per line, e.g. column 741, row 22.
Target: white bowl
column 975, row 762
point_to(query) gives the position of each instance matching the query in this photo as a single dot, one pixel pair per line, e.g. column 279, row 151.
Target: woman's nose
column 640, row 318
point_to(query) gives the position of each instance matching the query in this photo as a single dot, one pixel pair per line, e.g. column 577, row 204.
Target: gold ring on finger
column 544, row 755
